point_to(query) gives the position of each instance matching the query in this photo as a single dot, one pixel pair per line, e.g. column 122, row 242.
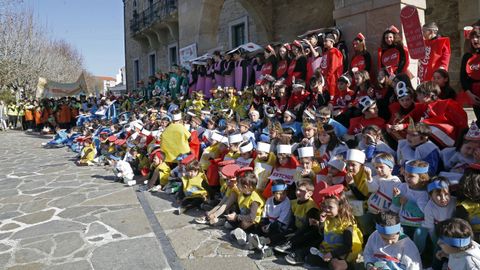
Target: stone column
column 372, row 17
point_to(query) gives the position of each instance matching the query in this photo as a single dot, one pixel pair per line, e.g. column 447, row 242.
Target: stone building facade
column 157, row 30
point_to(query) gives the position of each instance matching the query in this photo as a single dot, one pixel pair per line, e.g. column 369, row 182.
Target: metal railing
column 159, row 11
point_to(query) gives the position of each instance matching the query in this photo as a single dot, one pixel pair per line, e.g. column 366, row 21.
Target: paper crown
column 246, row 147
column 216, row 137
column 269, row 111
column 346, row 79
column 415, row 169
column 411, row 126
column 263, row 147
column 356, row 155
column 177, row 117
column 337, row 164
column 229, row 170
column 360, row 36
column 235, row 138
column 473, row 133
column 138, row 125
column 305, row 152
column 329, row 191
column 287, row 112
column 309, row 114
column 284, row 149
column 393, row 29
column 279, row 187
column 401, row 89
column 365, row 103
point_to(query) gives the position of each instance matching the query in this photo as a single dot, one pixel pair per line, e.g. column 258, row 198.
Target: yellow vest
column 212, row 151
column 473, row 210
column 193, row 187
column 333, row 237
column 245, row 202
column 163, row 173
column 85, row 157
column 263, row 170
column 300, row 212
column 175, row 141
column 360, row 180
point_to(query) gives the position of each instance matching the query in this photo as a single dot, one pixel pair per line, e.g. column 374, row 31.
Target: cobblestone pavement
column 55, row 215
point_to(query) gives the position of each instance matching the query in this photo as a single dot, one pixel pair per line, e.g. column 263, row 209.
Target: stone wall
column 232, row 10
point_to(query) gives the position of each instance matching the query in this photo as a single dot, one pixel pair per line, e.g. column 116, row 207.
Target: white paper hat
column 365, row 103
column 137, row 125
column 284, row 149
column 305, row 152
column 177, row 117
column 401, row 89
column 337, row 164
column 291, row 114
column 146, row 132
column 235, row 138
column 263, row 147
column 187, row 126
column 356, row 155
column 216, row 137
column 246, row 147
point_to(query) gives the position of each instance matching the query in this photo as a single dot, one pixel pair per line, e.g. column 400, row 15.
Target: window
column 134, row 3
column 238, row 30
column 152, row 64
column 136, row 71
column 172, row 55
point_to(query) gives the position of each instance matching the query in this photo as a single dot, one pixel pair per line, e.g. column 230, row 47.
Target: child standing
column 457, row 245
column 388, row 247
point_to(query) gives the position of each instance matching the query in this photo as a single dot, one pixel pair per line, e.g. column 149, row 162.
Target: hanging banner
column 413, row 32
column 188, row 53
column 48, row 89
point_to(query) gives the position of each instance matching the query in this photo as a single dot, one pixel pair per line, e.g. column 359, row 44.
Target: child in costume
column 388, row 247
column 250, row 204
column 263, row 164
column 88, row 153
column 289, row 122
column 247, row 154
column 456, row 241
column 410, row 200
column 342, row 240
column 369, row 117
column 327, row 145
column 308, row 168
column 468, row 207
column 333, row 174
column 418, row 146
column 381, row 185
column 160, row 172
column 275, row 222
column 194, row 188
column 284, row 169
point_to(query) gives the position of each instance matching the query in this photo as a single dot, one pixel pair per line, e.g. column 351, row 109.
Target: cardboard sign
column 413, row 32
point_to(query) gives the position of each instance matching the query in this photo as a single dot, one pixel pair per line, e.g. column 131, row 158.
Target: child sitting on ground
column 275, row 222
column 456, row 241
column 388, row 247
column 159, row 172
column 194, row 188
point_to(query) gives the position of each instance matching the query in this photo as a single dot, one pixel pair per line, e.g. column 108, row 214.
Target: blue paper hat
column 415, row 169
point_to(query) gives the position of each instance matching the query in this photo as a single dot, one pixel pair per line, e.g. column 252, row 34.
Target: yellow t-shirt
column 163, row 173
column 333, row 237
column 175, row 141
column 360, row 180
column 473, row 210
column 245, row 203
column 193, row 187
column 300, row 211
column 263, row 170
column 88, row 153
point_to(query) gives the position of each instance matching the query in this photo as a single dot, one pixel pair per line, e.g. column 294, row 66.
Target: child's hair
column 424, row 177
column 248, row 179
column 455, row 228
column 345, row 212
column 334, row 140
column 443, row 181
column 375, row 129
column 430, row 89
column 307, row 184
column 385, row 156
column 325, row 111
column 469, row 186
column 423, row 129
column 387, row 218
column 193, row 166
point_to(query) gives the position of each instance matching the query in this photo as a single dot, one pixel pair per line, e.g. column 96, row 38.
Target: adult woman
column 270, row 64
column 392, row 55
column 298, row 66
column 209, row 78
column 442, row 78
column 283, row 61
column 331, row 65
column 470, row 71
column 361, row 59
column 218, row 69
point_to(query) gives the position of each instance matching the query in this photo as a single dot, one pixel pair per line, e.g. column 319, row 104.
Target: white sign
column 188, row 53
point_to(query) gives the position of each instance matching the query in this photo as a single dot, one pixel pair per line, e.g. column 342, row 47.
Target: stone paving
column 55, row 215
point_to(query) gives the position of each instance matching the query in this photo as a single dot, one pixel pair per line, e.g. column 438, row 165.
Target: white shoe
column 239, row 235
column 145, row 182
column 131, row 183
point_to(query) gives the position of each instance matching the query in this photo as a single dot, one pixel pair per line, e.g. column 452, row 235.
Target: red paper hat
column 297, row 43
column 475, row 166
column 360, row 36
column 329, row 191
column 230, row 170
column 120, row 142
column 466, row 31
column 393, row 29
column 87, row 139
column 226, row 162
column 287, row 46
column 243, row 170
column 157, row 152
column 269, row 48
column 259, row 82
column 317, row 197
column 188, row 159
column 144, row 171
column 112, row 138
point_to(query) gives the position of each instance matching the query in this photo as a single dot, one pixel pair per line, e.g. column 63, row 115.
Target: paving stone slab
column 124, row 196
column 67, row 201
column 44, row 246
column 77, row 211
column 131, row 222
column 67, row 243
column 34, row 206
column 218, row 263
column 36, row 217
column 96, row 229
column 30, row 266
column 27, row 256
column 50, row 227
column 78, row 265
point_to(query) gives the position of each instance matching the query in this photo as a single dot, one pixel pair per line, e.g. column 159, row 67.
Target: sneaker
column 294, row 259
column 283, row 248
column 264, row 253
column 201, row 220
column 228, row 226
column 240, row 236
column 155, row 188
column 254, row 240
column 181, row 210
column 132, row 183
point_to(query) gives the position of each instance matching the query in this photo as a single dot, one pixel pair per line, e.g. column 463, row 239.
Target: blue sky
column 93, row 27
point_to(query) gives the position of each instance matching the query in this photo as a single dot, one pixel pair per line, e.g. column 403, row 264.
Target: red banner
column 413, row 32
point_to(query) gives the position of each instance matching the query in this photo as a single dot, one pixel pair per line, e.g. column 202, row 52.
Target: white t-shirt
column 435, row 213
column 278, row 212
column 466, row 260
column 382, row 193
